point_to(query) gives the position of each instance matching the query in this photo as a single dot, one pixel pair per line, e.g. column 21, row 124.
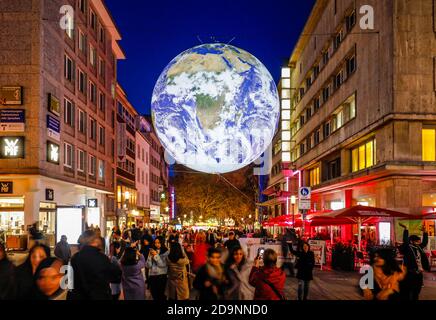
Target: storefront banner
column 11, row 147
column 12, row 120
column 53, row 128
column 318, row 248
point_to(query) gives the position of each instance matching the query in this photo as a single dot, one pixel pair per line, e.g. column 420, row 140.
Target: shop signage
column 49, row 194
column 92, row 203
column 53, row 152
column 11, row 95
column 6, row 187
column 11, row 147
column 12, row 120
column 304, row 193
column 53, row 104
column 53, row 128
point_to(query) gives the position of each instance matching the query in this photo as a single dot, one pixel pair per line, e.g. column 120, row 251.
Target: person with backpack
column 269, row 280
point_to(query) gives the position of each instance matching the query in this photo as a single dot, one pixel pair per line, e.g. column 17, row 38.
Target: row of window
column 142, row 154
column 140, row 175
column 154, row 178
column 85, row 163
column 126, row 115
column 363, row 156
column 142, row 199
column 348, row 23
column 326, row 92
column 127, row 166
column 87, row 88
column 341, row 116
column 69, row 119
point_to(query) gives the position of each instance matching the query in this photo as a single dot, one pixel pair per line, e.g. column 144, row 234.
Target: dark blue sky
column 155, row 31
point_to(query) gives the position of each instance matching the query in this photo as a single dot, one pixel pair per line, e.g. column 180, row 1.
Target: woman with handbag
column 269, row 280
column 178, row 284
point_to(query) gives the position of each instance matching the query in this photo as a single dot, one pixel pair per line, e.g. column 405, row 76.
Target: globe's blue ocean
column 215, row 108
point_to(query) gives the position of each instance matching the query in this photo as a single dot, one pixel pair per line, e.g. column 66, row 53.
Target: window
column 302, row 120
column 68, row 155
column 428, row 144
column 350, row 21
column 325, row 93
column 69, row 30
column 316, row 136
column 82, row 82
column 82, row 5
column 337, row 40
column 102, row 102
column 101, row 68
column 316, row 104
column 93, row 20
column 82, row 121
column 338, row 79
column 81, row 160
column 92, row 55
column 363, row 156
column 325, row 57
column 308, row 113
column 68, row 112
column 82, row 42
column 308, row 82
column 101, row 35
column 93, row 129
column 101, row 170
column 334, row 169
column 68, row 68
column 314, row 177
column 301, row 93
column 315, row 71
column 92, row 92
column 92, row 165
column 301, row 149
column 101, row 135
column 351, row 65
column 326, row 129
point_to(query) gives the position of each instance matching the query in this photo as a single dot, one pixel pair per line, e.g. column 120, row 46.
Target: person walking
column 178, row 283
column 48, row 279
column 7, row 276
column 133, row 282
column 305, row 265
column 210, row 278
column 25, row 284
column 199, row 257
column 158, row 269
column 387, row 275
column 93, row 271
column 238, row 273
column 62, row 250
column 269, row 280
column 416, row 262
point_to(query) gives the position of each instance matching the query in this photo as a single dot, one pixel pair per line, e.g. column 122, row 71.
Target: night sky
column 155, row 31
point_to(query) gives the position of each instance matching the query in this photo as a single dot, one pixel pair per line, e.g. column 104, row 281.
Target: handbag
column 277, row 292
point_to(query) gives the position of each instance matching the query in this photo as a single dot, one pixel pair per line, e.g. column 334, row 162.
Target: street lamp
column 293, row 201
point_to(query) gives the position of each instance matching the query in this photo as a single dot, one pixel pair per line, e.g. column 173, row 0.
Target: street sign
column 304, row 204
column 304, row 193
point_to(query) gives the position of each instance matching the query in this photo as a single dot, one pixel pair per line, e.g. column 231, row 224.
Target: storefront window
column 314, row 177
column 69, row 223
column 428, row 145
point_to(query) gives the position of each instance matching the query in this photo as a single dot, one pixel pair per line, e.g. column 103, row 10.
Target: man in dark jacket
column 93, row 271
column 63, row 250
column 232, row 242
column 416, row 262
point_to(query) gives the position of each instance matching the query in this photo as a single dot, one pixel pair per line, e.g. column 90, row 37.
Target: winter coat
column 25, row 285
column 7, row 280
column 199, row 257
column 157, row 265
column 239, row 287
column 410, row 253
column 63, row 251
column 305, row 264
column 178, row 284
column 93, row 271
column 115, row 287
column 273, row 275
column 133, row 281
column 207, row 293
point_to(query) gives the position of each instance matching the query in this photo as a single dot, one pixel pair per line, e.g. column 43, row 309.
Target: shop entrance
column 12, row 231
column 47, row 221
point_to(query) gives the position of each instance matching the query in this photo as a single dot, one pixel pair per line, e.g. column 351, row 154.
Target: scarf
column 215, row 272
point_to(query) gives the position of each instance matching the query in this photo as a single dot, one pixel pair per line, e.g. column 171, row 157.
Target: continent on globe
column 215, row 108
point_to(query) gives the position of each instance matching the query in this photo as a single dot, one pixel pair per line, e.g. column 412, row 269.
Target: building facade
column 126, row 161
column 143, row 169
column 57, row 104
column 361, row 99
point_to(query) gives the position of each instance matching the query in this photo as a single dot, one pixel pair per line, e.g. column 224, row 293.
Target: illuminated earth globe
column 215, row 108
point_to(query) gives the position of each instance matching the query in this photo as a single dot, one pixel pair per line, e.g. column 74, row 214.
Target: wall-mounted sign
column 6, row 187
column 12, row 120
column 49, row 194
column 11, row 95
column 53, row 128
column 53, row 104
column 92, row 203
column 11, row 147
column 53, row 152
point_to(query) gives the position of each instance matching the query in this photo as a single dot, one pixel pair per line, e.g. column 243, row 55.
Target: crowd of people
column 185, row 264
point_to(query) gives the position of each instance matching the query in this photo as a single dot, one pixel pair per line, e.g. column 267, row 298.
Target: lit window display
column 69, row 223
